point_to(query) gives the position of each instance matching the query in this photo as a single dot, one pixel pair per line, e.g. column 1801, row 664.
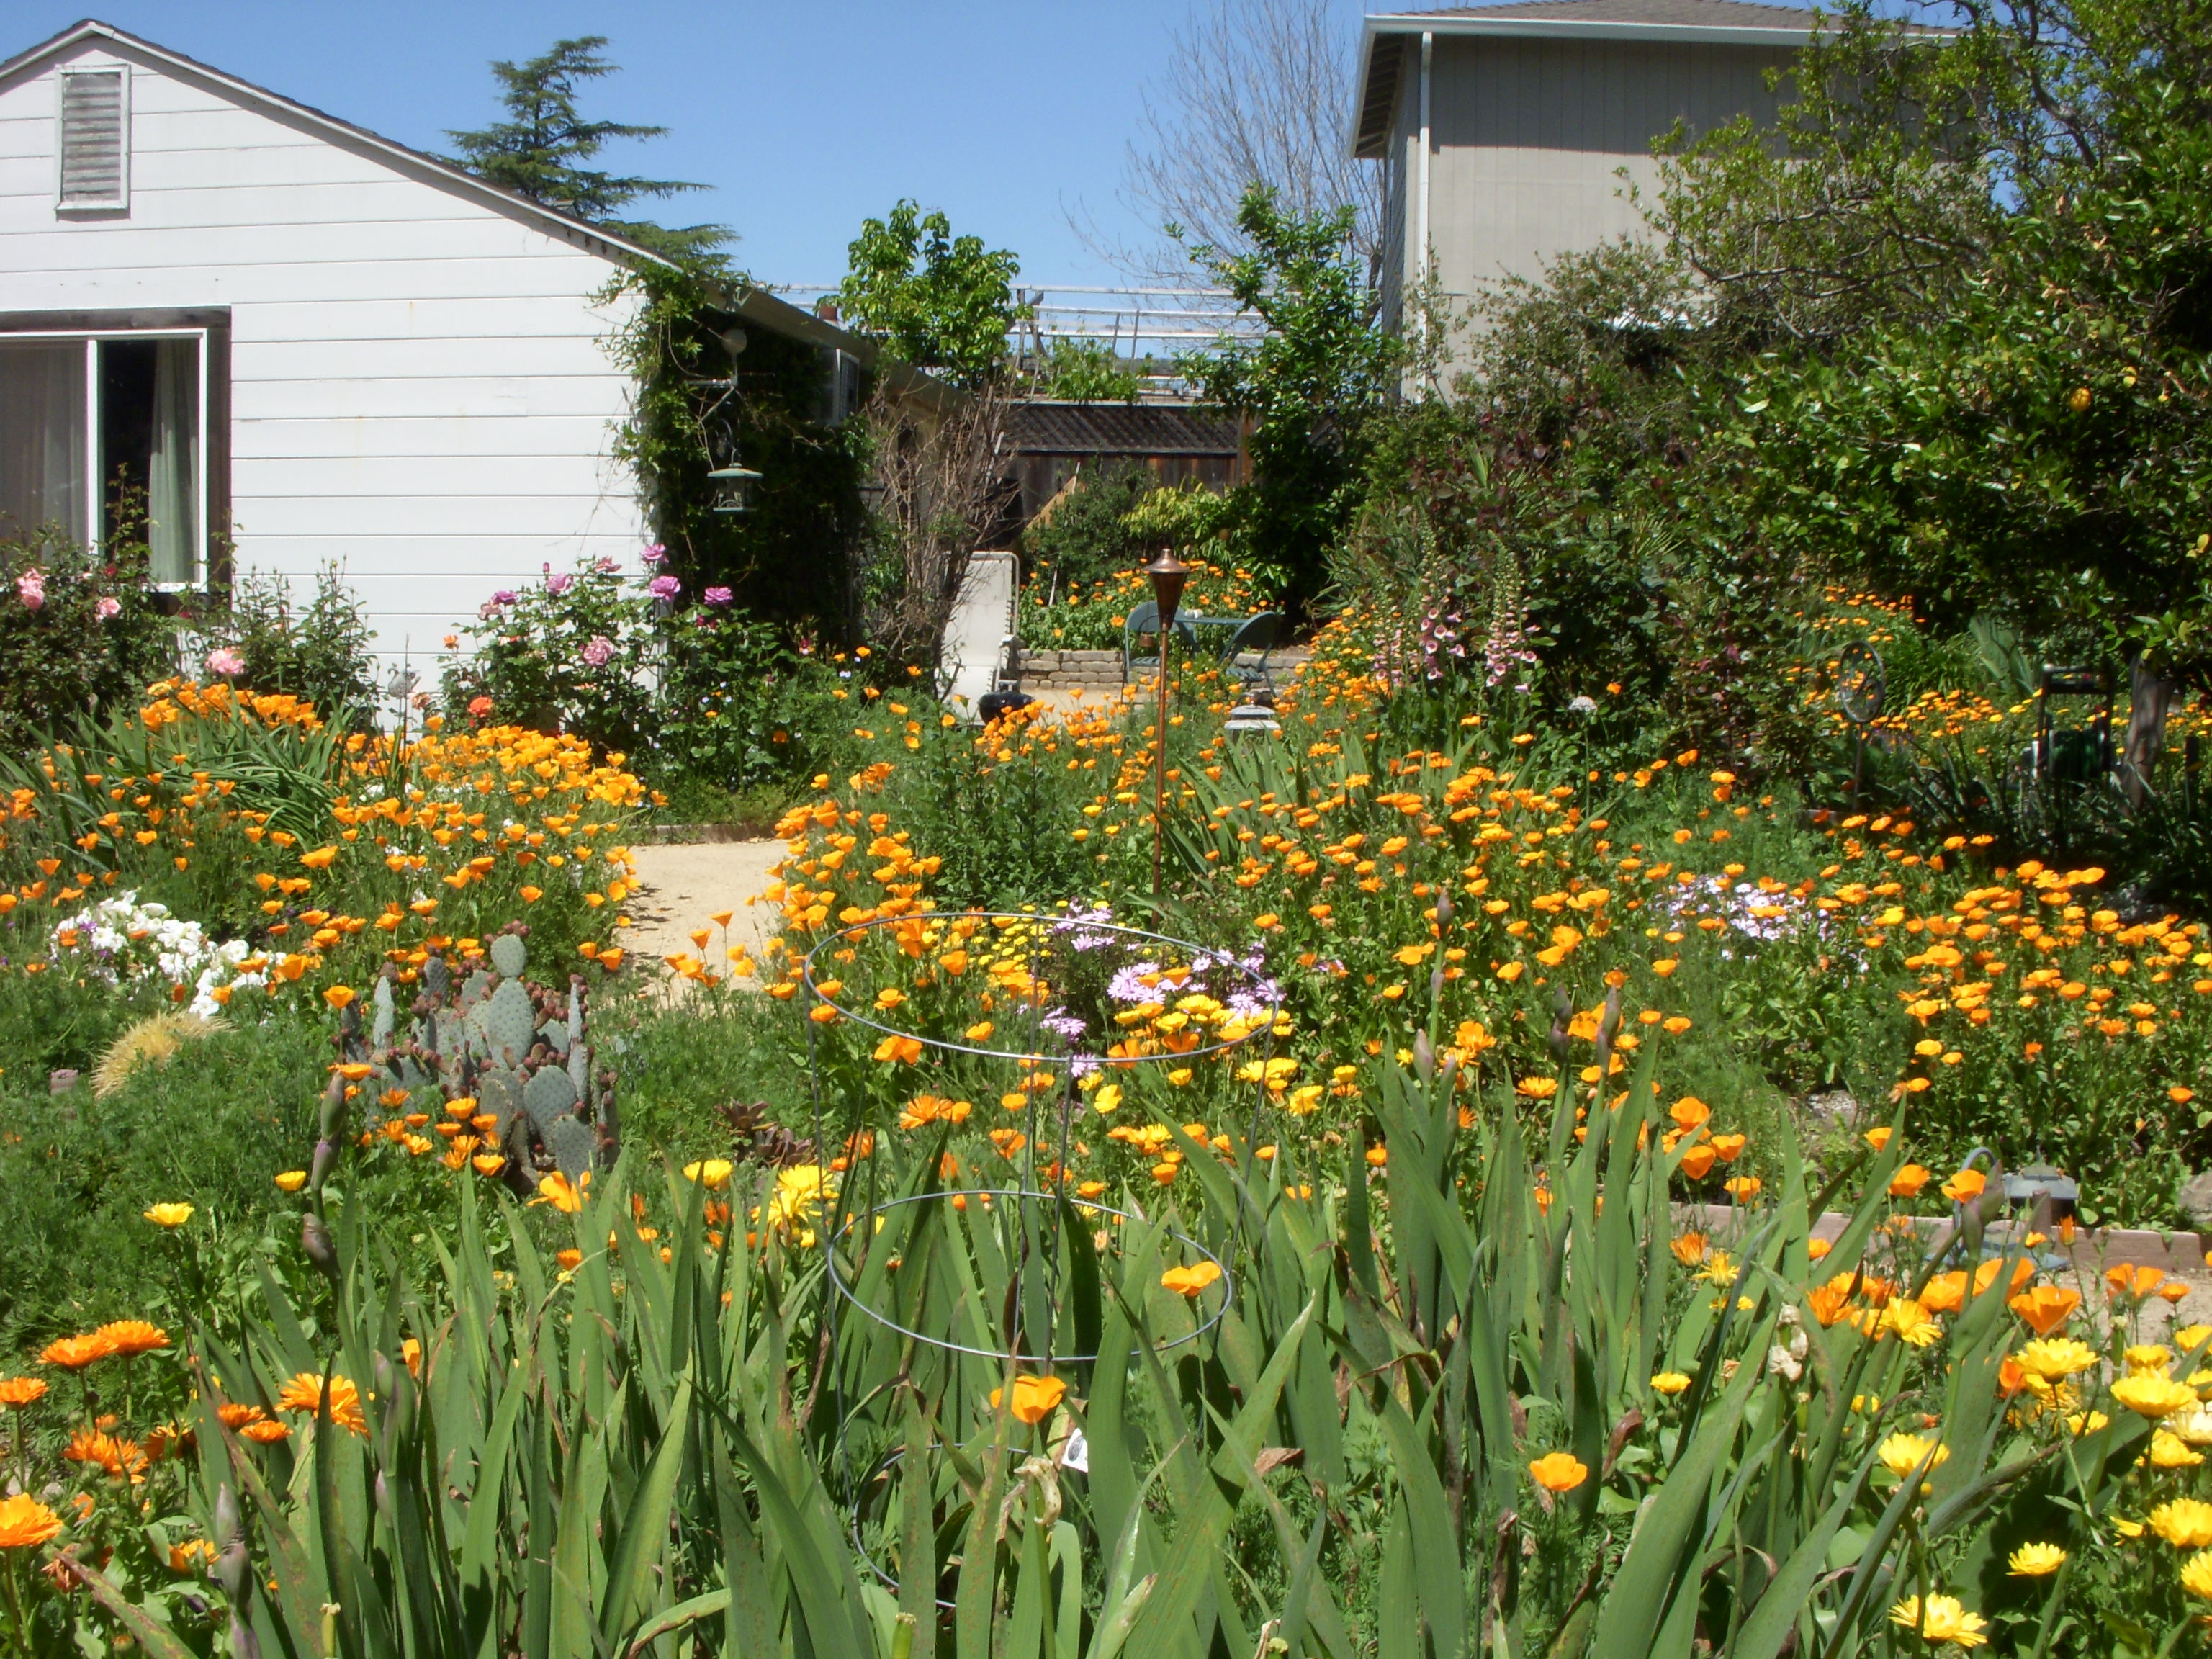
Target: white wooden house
column 309, row 344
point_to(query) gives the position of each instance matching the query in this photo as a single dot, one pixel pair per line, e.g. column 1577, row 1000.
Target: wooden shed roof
column 1046, row 428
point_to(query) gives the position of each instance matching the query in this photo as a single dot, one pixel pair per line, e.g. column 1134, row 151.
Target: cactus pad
column 574, row 1145
column 510, row 955
column 549, row 1096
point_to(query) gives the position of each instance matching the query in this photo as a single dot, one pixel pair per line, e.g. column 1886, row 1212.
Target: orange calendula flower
column 304, row 1392
column 128, row 1337
column 1036, row 1398
column 74, row 1353
column 18, row 1392
column 25, row 1523
column 1559, row 1471
column 2045, row 1308
column 1689, row 1247
column 1190, row 1281
column 265, row 1431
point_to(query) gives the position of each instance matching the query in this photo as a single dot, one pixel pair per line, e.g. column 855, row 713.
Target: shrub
column 79, row 632
column 320, row 653
column 574, row 653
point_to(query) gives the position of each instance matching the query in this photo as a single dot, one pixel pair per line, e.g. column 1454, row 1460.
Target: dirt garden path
column 682, row 884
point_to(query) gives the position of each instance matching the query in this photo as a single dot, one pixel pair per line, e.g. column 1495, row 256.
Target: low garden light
column 1169, row 575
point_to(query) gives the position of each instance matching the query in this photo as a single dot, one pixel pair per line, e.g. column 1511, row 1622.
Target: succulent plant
column 516, row 1048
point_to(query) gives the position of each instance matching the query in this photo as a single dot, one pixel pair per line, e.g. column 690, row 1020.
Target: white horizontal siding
column 420, row 389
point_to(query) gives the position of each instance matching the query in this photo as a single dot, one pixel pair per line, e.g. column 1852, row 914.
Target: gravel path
column 682, row 884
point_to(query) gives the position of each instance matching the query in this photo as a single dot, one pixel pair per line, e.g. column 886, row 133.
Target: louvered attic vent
column 95, row 150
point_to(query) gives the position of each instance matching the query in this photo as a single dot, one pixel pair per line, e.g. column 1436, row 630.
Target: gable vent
column 94, row 139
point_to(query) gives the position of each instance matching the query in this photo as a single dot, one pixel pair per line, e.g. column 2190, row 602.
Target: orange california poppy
column 1559, row 1471
column 1036, row 1398
column 2045, row 1308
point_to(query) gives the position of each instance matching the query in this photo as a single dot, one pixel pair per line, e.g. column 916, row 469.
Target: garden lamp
column 1170, row 575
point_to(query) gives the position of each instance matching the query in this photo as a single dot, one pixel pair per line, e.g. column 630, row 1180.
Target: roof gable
column 412, row 163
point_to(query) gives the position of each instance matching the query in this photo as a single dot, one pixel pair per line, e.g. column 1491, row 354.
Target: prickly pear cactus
column 517, row 1050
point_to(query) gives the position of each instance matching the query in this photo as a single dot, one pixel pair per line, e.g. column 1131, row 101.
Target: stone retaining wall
column 1101, row 671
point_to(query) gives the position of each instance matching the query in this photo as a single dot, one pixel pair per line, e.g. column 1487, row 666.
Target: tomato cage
column 1050, row 1126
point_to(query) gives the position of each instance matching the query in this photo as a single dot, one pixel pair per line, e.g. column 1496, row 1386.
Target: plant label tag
column 1077, row 1455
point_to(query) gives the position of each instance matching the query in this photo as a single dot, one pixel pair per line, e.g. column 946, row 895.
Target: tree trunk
column 2150, row 696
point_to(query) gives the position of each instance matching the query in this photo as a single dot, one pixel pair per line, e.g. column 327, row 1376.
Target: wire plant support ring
column 961, row 1288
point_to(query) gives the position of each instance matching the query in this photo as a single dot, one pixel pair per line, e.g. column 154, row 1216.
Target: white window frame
column 93, row 532
column 121, row 202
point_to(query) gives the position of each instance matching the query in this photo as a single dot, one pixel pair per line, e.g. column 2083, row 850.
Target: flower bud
column 315, row 1240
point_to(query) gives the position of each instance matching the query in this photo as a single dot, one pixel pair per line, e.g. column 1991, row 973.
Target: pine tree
column 539, row 151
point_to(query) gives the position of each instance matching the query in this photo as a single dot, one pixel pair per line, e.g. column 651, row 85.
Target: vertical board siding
column 1532, row 137
column 420, row 390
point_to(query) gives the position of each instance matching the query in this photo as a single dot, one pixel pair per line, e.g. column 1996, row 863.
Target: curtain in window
column 42, row 437
column 173, row 480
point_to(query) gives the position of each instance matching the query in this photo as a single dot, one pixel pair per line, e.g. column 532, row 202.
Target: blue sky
column 804, row 118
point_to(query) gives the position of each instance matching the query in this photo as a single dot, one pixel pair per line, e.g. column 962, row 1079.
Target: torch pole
column 1168, row 574
column 1160, row 768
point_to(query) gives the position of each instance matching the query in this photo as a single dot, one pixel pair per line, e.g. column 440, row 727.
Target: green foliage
column 571, row 653
column 936, row 300
column 69, row 651
column 1311, row 384
column 1085, row 537
column 321, row 654
column 539, row 151
column 208, row 1127
column 793, row 559
column 1088, row 372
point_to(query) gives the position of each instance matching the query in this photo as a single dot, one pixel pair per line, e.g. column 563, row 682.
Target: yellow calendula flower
column 2055, row 1359
column 1901, row 1454
column 1943, row 1620
column 1670, row 1383
column 290, row 1181
column 2035, row 1560
column 713, row 1173
column 2171, row 1451
column 2147, row 1356
column 2197, row 1575
column 169, row 1215
column 2150, row 1394
column 2184, row 1523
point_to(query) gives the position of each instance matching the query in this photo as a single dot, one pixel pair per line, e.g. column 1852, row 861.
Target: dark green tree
column 936, row 300
column 540, row 151
column 1311, row 383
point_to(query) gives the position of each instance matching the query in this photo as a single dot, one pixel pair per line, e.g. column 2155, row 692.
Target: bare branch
column 946, row 485
column 1252, row 91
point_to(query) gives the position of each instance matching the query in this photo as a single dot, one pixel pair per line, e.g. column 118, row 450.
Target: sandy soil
column 681, row 886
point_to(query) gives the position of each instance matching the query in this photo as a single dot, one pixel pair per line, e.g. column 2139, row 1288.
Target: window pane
column 149, row 450
column 173, row 492
column 42, row 437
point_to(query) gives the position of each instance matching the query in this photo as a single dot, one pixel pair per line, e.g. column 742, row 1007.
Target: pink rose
column 663, row 587
column 600, row 648
column 654, row 553
column 223, row 660
column 108, row 606
column 31, row 588
column 560, row 584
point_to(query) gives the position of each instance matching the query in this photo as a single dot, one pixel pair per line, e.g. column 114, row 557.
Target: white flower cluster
column 1746, row 910
column 120, row 941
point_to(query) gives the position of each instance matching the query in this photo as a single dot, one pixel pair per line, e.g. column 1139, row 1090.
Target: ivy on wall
column 795, row 559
